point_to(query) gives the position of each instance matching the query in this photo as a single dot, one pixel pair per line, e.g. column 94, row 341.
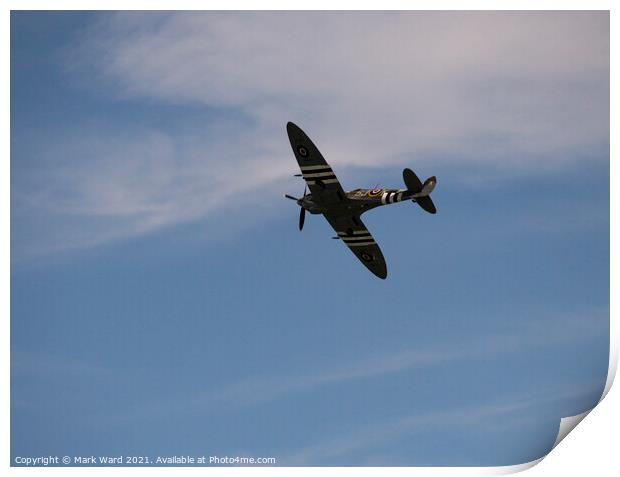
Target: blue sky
column 164, row 302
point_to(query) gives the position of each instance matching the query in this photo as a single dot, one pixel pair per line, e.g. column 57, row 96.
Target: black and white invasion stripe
column 390, row 197
column 323, row 173
column 357, row 238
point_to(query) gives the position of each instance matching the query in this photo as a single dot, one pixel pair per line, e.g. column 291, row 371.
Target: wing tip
column 382, row 274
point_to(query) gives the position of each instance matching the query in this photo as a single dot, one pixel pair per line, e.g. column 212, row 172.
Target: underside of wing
column 317, row 173
column 353, row 233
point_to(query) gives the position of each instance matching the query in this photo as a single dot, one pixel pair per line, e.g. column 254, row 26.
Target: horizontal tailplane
column 427, row 204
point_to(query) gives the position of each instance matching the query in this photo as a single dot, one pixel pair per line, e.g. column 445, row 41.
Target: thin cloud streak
column 29, row 363
column 255, row 390
column 477, row 417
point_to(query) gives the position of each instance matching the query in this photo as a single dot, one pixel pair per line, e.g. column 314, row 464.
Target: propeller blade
column 291, row 197
column 302, row 217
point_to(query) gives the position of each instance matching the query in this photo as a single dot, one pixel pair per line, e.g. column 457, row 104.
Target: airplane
column 343, row 209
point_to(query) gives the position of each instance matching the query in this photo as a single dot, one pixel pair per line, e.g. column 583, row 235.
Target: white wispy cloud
column 512, row 91
column 380, row 85
column 112, row 184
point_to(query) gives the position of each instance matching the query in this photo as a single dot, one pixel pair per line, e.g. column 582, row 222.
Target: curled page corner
column 613, row 360
column 513, row 469
column 567, row 424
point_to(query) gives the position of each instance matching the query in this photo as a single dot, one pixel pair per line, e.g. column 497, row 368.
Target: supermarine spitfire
column 343, row 209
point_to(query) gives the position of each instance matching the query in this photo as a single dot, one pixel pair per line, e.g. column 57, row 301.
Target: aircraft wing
column 317, row 173
column 352, row 231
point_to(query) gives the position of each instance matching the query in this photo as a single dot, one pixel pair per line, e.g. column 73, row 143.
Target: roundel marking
column 374, row 192
column 367, row 257
column 302, row 151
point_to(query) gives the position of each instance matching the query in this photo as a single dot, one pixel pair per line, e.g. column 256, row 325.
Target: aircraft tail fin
column 420, row 191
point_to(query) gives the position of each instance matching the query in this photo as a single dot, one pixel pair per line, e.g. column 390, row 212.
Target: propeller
column 302, row 217
column 302, row 212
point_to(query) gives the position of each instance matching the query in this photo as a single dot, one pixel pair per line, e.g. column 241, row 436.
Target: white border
column 589, row 450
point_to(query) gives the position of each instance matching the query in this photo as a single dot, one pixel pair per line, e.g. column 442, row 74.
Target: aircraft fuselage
column 359, row 201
